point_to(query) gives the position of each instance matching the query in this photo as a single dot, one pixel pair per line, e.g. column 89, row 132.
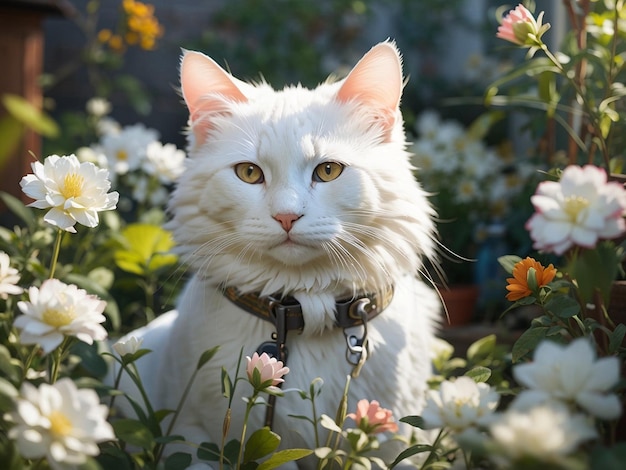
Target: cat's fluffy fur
column 368, row 228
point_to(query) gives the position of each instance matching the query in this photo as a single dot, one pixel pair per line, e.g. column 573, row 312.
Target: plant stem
column 244, row 427
column 55, row 253
column 179, row 407
column 57, row 357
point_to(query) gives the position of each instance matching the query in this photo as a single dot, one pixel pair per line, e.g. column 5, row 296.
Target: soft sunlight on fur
column 366, row 229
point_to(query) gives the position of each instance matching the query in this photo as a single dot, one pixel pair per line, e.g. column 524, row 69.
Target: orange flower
column 518, row 284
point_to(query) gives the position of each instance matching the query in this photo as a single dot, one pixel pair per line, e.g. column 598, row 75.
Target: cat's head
column 297, row 189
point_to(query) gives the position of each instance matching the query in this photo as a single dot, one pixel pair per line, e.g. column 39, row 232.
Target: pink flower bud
column 269, row 371
column 521, row 28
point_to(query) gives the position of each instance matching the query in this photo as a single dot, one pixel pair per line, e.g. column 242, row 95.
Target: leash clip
column 357, row 345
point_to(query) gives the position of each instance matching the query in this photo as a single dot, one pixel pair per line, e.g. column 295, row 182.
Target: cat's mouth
column 293, row 251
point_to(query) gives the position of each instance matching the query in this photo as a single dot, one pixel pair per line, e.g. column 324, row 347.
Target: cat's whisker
column 346, row 259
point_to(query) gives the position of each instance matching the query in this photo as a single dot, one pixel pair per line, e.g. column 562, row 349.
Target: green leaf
column 415, row 421
column 206, row 357
column 508, row 262
column 169, row 439
column 20, row 210
column 548, row 92
column 89, row 464
column 261, row 443
column 8, row 366
column 612, row 458
column 208, row 451
column 10, row 134
column 90, row 358
column 528, row 342
column 282, row 457
column 481, row 348
column 134, row 433
column 328, row 423
column 563, row 306
column 617, row 338
column 231, row 450
column 479, row 374
column 595, row 269
column 413, row 450
column 145, row 249
column 227, row 384
column 8, row 393
column 160, row 415
column 177, row 461
column 29, row 115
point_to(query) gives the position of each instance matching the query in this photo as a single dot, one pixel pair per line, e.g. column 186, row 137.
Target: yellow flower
column 518, row 285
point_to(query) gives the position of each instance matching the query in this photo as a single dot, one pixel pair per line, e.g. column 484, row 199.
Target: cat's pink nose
column 287, row 220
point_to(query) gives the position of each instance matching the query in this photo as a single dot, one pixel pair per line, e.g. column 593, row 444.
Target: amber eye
column 249, row 173
column 328, row 171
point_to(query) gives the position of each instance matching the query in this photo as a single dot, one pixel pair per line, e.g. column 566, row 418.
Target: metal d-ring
column 357, row 347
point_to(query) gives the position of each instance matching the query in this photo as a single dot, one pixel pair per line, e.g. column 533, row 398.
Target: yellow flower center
column 58, row 318
column 60, row 424
column 72, row 185
column 574, row 205
column 122, row 155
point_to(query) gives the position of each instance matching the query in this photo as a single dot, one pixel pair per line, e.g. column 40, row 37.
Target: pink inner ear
column 207, row 89
column 376, row 81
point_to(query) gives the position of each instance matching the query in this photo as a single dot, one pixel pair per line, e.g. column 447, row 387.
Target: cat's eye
column 249, row 173
column 327, row 171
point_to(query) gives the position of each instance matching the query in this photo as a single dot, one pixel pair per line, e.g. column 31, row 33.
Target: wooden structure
column 21, row 52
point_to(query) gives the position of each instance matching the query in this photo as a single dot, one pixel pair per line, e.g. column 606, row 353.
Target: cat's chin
column 294, row 254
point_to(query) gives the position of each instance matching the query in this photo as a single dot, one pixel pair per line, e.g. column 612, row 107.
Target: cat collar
column 285, row 314
column 351, row 314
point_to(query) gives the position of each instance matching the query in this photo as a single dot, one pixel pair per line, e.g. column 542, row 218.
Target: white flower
column 126, row 150
column 107, row 125
column 98, row 107
column 74, row 191
column 130, row 346
column 578, row 210
column 60, row 423
column 9, row 277
column 571, row 374
column 546, row 433
column 57, row 309
column 164, row 161
column 93, row 155
column 459, row 404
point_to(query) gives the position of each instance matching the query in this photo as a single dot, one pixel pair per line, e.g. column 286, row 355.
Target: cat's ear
column 376, row 82
column 207, row 90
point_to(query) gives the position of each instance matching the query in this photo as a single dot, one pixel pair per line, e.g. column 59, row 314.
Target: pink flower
column 265, row 371
column 373, row 419
column 578, row 210
column 521, row 28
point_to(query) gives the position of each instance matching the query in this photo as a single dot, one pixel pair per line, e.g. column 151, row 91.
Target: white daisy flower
column 570, row 374
column 544, row 433
column 166, row 162
column 126, row 150
column 459, row 404
column 579, row 210
column 73, row 191
column 57, row 309
column 130, row 346
column 9, row 277
column 59, row 423
column 98, row 107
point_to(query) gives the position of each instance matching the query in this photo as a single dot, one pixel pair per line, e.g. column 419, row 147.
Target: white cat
column 302, row 193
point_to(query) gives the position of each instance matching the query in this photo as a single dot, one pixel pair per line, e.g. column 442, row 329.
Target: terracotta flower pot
column 460, row 301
